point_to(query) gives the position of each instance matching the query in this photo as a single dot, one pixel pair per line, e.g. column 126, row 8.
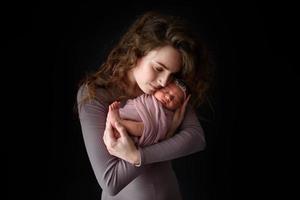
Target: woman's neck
column 133, row 88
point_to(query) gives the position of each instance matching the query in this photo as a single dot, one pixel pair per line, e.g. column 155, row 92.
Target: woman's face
column 155, row 70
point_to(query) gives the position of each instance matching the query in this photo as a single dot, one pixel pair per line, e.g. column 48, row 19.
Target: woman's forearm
column 112, row 173
column 189, row 139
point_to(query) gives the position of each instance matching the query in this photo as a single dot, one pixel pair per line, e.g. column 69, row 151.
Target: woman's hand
column 178, row 117
column 119, row 144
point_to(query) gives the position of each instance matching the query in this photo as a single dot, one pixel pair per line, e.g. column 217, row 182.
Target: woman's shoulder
column 102, row 95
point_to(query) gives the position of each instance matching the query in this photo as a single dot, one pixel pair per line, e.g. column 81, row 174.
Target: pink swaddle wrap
column 156, row 119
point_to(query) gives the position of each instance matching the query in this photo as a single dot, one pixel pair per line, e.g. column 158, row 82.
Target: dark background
column 50, row 46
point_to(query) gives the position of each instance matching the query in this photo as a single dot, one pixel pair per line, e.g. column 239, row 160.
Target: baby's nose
column 168, row 97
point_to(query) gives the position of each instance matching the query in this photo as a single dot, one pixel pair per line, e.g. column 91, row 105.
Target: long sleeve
column 188, row 140
column 112, row 173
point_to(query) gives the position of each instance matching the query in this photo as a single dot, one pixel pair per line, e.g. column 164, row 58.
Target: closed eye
column 159, row 69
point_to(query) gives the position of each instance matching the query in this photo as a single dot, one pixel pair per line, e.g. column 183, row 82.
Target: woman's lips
column 154, row 87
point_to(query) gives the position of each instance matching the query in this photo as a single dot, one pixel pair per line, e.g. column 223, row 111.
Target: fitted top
column 155, row 178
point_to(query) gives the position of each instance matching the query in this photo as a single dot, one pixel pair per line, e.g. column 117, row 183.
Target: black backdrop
column 51, row 45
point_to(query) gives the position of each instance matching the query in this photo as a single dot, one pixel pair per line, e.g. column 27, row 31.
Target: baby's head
column 173, row 95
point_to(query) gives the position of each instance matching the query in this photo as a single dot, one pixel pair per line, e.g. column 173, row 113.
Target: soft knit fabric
column 156, row 118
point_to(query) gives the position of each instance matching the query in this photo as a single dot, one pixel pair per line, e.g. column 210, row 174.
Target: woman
column 155, row 49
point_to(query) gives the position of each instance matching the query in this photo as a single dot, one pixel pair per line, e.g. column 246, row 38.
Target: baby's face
column 170, row 96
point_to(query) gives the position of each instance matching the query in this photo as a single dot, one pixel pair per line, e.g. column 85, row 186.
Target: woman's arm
column 112, row 173
column 189, row 139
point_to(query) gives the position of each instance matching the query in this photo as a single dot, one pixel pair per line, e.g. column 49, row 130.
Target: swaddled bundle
column 156, row 119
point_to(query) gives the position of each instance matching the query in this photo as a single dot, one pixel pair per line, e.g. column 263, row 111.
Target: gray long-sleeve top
column 155, row 178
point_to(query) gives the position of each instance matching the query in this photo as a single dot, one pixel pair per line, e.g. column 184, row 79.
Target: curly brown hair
column 150, row 31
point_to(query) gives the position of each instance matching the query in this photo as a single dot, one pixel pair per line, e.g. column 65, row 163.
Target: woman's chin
column 149, row 91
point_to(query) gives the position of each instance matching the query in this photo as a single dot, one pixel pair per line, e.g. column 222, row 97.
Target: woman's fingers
column 121, row 130
column 179, row 113
column 122, row 146
column 108, row 135
column 186, row 102
column 183, row 107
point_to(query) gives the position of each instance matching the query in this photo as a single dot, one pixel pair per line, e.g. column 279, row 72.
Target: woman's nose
column 163, row 81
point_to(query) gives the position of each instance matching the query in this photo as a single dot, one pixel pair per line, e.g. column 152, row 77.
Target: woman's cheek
column 150, row 74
